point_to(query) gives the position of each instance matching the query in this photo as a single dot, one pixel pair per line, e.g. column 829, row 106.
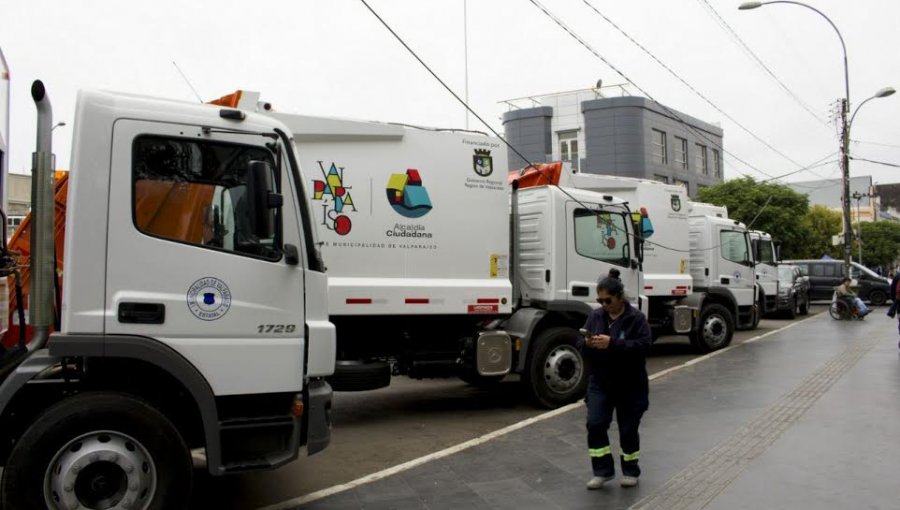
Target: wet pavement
column 806, row 417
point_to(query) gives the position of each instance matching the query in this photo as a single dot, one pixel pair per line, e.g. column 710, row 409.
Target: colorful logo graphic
column 335, row 198
column 482, row 162
column 209, row 298
column 676, row 203
column 407, row 195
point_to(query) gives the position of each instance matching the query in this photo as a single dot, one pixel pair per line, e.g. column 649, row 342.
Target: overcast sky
column 333, row 58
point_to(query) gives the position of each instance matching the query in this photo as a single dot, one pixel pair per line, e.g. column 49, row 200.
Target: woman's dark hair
column 611, row 284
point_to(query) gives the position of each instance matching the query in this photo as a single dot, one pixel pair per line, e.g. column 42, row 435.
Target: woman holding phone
column 616, row 341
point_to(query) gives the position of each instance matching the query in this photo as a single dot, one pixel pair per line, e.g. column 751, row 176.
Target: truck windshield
column 764, row 252
column 602, row 236
column 733, row 245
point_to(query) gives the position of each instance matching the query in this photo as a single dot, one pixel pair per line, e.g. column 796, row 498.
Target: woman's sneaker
column 629, row 481
column 598, row 481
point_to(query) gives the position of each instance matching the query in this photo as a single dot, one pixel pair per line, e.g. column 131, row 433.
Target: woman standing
column 616, row 342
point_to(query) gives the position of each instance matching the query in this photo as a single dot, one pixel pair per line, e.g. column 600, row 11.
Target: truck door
column 189, row 264
column 598, row 240
column 735, row 272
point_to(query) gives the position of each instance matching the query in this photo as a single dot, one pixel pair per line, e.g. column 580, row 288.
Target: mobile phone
column 584, row 332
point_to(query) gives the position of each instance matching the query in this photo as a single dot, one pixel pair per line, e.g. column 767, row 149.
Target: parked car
column 793, row 291
column 825, row 275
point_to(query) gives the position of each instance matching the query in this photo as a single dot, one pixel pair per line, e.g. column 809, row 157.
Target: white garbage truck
column 438, row 268
column 194, row 310
column 698, row 273
column 441, row 264
column 765, row 252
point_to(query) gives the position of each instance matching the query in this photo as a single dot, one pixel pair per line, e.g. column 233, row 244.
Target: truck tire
column 99, row 450
column 877, row 297
column 715, row 330
column 359, row 375
column 555, row 373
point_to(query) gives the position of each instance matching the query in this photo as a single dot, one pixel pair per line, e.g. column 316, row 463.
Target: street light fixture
column 845, row 127
column 58, row 124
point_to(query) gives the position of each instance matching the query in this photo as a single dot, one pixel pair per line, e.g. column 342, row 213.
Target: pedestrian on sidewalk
column 895, row 306
column 616, row 341
column 843, row 291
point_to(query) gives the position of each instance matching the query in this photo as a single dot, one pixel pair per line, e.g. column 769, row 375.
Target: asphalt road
column 378, row 429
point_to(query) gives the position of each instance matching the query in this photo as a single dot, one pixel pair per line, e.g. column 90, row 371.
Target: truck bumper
column 318, row 418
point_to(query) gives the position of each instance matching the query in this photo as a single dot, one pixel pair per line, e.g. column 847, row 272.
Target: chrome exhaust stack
column 40, row 299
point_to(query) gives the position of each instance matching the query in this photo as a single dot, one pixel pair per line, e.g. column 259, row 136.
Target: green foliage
column 821, row 223
column 881, row 241
column 777, row 209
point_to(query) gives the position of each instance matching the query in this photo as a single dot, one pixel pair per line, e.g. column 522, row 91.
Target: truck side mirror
column 261, row 198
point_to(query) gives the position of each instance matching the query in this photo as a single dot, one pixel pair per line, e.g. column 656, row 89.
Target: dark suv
column 825, row 275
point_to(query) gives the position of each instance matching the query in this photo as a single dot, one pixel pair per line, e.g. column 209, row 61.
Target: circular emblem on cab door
column 209, row 298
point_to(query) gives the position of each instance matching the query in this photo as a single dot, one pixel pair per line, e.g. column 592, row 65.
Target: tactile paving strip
column 695, row 486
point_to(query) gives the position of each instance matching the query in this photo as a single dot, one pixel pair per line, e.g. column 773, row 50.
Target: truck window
column 765, row 253
column 194, row 192
column 733, row 246
column 601, row 236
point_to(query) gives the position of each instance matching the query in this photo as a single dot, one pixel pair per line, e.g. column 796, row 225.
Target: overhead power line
column 877, row 143
column 511, row 147
column 740, row 41
column 612, row 66
column 808, row 167
column 876, row 162
column 694, row 89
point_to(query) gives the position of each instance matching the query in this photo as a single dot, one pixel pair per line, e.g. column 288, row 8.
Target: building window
column 681, row 159
column 717, row 163
column 659, row 147
column 661, row 178
column 568, row 147
column 687, row 186
column 702, row 164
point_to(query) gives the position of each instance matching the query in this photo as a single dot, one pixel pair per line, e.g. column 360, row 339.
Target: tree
column 766, row 206
column 880, row 242
column 821, row 224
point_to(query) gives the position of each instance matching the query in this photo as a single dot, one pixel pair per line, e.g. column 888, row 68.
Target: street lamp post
column 845, row 131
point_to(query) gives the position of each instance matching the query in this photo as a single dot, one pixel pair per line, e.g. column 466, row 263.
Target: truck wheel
column 555, row 374
column 358, row 375
column 98, row 451
column 715, row 329
column 877, row 297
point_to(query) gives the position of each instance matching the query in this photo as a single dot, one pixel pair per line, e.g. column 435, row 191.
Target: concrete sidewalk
column 808, row 417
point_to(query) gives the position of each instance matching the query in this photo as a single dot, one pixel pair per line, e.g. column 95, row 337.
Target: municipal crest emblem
column 676, row 203
column 482, row 162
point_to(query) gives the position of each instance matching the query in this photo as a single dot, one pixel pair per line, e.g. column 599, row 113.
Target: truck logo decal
column 407, row 195
column 482, row 162
column 209, row 298
column 335, row 198
column 676, row 203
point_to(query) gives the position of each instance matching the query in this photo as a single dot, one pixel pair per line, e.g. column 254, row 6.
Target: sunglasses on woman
column 605, row 301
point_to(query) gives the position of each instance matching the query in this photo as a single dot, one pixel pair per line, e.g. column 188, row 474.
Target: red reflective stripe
column 682, row 287
column 417, row 301
column 648, row 287
column 484, row 301
column 359, row 301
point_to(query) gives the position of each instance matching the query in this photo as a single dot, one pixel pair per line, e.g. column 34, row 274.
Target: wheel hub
column 562, row 369
column 100, row 471
column 714, row 330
